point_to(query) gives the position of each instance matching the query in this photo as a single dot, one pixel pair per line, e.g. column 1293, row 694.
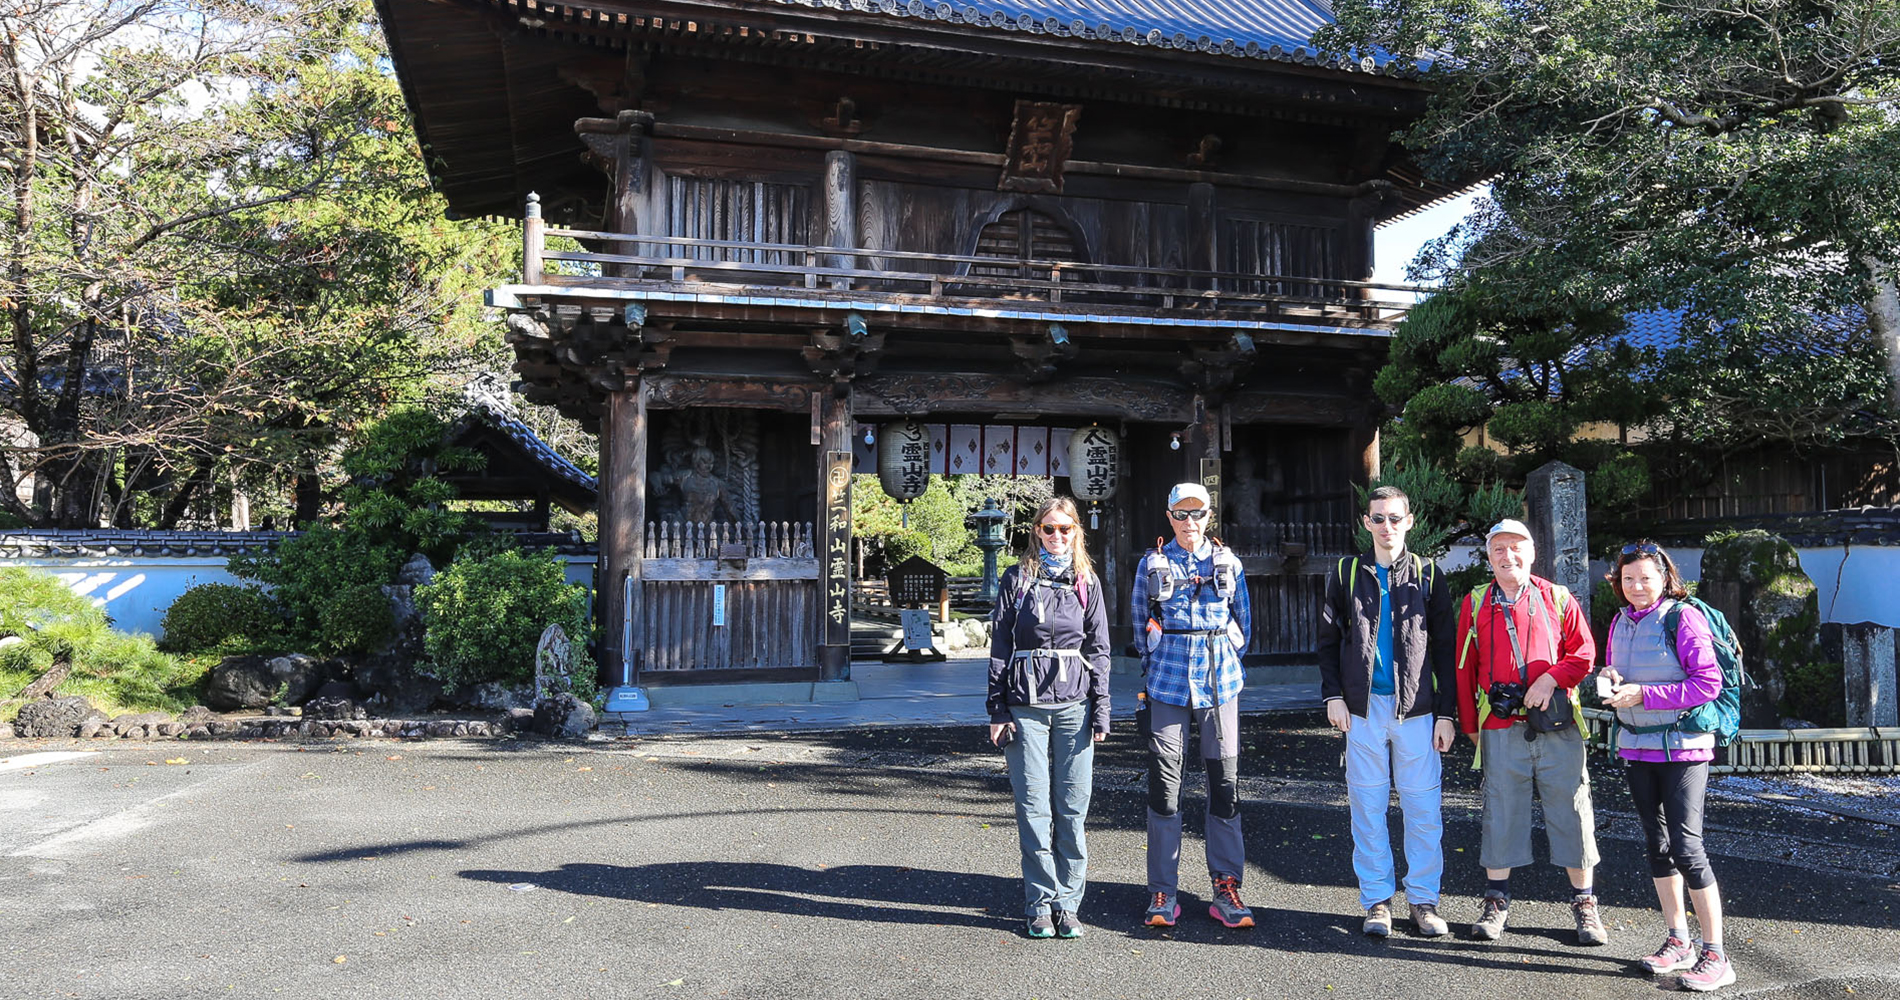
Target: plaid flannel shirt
column 1192, row 671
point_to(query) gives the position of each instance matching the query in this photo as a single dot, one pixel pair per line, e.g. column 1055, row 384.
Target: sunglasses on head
column 1188, row 515
column 1641, row 548
column 1382, row 518
column 1057, row 529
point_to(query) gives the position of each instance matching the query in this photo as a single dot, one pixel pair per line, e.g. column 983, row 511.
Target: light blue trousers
column 1051, row 769
column 1382, row 751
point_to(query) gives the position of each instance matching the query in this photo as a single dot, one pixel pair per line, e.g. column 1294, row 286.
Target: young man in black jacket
column 1389, row 679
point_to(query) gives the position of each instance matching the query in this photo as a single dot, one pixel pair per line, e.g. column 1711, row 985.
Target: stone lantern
column 988, row 524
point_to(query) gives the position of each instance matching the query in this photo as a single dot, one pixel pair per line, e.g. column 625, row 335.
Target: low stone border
column 153, row 726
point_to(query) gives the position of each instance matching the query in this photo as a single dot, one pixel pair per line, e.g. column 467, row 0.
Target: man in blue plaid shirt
column 1192, row 623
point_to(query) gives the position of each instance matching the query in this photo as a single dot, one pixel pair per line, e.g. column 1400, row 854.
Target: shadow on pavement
column 880, row 893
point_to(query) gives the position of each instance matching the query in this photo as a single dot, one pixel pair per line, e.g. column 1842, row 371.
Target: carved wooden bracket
column 1040, row 354
column 571, row 360
column 841, row 355
column 1215, row 372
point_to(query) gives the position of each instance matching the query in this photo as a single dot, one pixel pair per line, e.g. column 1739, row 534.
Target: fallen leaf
column 339, row 960
column 676, row 982
column 583, row 768
column 393, row 756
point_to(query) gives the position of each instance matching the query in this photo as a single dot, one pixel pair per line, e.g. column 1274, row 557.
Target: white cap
column 1508, row 526
column 1189, row 491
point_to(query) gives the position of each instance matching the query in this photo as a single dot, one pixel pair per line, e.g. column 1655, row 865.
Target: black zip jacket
column 1424, row 635
column 1048, row 615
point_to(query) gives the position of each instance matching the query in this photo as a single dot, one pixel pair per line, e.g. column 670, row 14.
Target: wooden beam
column 623, row 489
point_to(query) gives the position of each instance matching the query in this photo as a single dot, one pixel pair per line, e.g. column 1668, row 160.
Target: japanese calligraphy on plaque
column 916, row 581
column 1210, row 480
column 1039, row 143
column 836, row 554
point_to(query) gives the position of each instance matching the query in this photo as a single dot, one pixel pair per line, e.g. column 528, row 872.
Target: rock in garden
column 517, row 720
column 6, row 731
column 329, row 708
column 389, row 680
column 54, row 718
column 564, row 716
column 253, row 681
column 196, row 715
column 417, row 572
column 493, row 696
column 1756, row 579
column 136, row 725
column 553, row 663
column 198, row 733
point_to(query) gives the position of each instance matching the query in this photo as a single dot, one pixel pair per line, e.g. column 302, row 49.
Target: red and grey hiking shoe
column 1227, row 907
column 1590, row 929
column 1711, row 973
column 1163, row 912
column 1674, row 956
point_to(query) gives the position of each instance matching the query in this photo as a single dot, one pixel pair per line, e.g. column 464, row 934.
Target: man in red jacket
column 1523, row 647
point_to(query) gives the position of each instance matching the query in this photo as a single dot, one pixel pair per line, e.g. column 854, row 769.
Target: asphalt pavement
column 853, row 864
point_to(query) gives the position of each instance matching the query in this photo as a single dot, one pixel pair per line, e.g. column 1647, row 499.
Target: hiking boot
column 1227, row 907
column 1378, row 920
column 1163, row 911
column 1674, row 956
column 1040, row 926
column 1068, row 926
column 1425, row 917
column 1711, row 973
column 1491, row 916
column 1589, row 922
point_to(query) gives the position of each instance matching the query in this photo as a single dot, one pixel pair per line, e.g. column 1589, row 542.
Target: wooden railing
column 663, row 263
column 712, row 540
column 727, row 595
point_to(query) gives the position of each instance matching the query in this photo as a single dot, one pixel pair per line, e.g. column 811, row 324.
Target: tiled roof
column 45, row 543
column 499, row 413
column 1278, row 30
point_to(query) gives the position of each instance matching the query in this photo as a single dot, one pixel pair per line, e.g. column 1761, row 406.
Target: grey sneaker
column 1425, row 917
column 1674, row 955
column 1711, row 973
column 1589, row 923
column 1163, row 911
column 1378, row 920
column 1227, row 907
column 1040, row 926
column 1068, row 925
column 1491, row 917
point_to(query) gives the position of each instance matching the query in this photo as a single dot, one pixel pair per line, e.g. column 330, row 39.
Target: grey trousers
column 1554, row 768
column 1220, row 748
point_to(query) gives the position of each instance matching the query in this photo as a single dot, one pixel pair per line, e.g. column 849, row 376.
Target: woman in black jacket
column 1048, row 705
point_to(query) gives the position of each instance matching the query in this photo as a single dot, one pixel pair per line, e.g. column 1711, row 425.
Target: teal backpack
column 1723, row 716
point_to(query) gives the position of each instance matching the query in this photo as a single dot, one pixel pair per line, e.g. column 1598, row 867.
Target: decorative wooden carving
column 1040, row 139
column 841, row 355
column 1216, row 372
column 1041, row 353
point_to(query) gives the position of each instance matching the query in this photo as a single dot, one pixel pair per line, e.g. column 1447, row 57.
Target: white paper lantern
column 903, row 459
column 1094, row 459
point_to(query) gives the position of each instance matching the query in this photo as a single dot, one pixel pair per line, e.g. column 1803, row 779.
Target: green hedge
column 221, row 617
column 484, row 615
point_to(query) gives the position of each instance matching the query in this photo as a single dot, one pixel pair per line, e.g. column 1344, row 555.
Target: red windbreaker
column 1489, row 659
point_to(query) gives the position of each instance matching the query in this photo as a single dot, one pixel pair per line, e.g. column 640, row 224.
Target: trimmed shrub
column 356, row 619
column 307, row 571
column 220, row 616
column 482, row 617
column 901, row 545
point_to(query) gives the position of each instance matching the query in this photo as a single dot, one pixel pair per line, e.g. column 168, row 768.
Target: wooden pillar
column 623, row 502
column 834, row 534
column 631, row 156
column 1203, row 242
column 841, row 210
column 532, row 241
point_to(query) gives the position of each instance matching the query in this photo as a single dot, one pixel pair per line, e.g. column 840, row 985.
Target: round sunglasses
column 1054, row 529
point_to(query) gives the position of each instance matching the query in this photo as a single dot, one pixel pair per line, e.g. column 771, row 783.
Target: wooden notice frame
column 835, row 557
column 1040, row 139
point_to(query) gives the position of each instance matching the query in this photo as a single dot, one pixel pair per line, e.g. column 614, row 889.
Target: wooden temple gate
column 755, row 229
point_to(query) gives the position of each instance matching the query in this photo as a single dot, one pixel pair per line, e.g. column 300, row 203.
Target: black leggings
column 1668, row 797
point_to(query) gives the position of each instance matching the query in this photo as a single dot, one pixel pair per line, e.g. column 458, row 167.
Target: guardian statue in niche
column 709, row 469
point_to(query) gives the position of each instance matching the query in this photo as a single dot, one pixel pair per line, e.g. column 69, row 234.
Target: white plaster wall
column 1856, row 583
column 136, row 592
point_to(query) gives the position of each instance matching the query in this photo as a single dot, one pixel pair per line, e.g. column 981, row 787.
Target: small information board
column 917, row 633
column 916, row 581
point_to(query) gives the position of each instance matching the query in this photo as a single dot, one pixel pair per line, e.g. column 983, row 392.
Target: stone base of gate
column 757, row 693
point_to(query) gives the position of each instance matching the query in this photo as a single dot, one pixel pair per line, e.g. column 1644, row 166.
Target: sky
column 1395, row 245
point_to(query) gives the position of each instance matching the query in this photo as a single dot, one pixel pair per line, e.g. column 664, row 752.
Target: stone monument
column 1560, row 529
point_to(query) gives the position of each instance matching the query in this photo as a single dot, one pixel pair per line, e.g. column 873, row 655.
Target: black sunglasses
column 1052, row 529
column 1188, row 515
column 1382, row 518
column 1641, row 548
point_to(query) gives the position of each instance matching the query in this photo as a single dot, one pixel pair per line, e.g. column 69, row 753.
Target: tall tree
column 219, row 247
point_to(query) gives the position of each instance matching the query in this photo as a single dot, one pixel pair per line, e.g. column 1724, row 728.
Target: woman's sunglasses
column 1057, row 529
column 1641, row 548
column 1188, row 515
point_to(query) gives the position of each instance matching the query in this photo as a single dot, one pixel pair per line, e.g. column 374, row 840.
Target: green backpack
column 1723, row 716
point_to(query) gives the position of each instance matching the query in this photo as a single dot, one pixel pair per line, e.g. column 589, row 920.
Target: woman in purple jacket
column 1654, row 681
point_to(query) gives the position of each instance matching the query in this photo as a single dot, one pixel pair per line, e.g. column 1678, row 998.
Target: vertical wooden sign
column 1210, row 479
column 837, row 548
